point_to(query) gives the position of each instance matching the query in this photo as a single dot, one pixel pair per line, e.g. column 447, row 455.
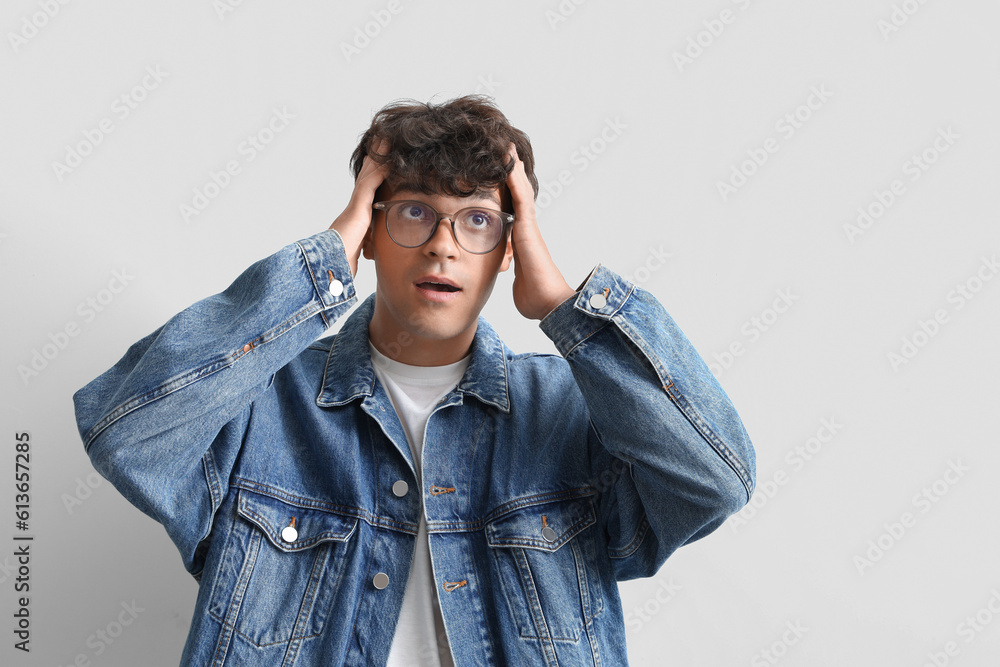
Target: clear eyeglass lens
column 411, row 224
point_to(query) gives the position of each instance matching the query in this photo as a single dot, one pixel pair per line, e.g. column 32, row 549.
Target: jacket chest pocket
column 280, row 569
column 546, row 563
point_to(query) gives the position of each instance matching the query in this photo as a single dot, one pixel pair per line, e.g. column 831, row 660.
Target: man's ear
column 368, row 242
column 508, row 254
column 507, row 204
column 382, row 193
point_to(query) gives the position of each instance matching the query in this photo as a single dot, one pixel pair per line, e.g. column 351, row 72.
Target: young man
column 410, row 491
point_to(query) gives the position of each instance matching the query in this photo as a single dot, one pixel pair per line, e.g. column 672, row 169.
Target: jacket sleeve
column 165, row 424
column 674, row 459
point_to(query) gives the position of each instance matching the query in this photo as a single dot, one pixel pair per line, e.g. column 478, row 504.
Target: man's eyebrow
column 414, row 188
column 493, row 198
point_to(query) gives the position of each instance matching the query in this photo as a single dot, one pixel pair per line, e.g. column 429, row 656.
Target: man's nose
column 443, row 241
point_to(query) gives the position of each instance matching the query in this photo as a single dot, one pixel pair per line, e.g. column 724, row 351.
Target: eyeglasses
column 412, row 223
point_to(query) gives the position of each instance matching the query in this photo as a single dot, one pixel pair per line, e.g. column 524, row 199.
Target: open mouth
column 438, row 287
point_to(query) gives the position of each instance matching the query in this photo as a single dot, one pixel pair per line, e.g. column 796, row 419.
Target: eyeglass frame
column 507, row 218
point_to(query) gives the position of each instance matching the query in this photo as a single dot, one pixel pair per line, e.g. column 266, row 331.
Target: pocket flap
column 312, row 525
column 545, row 526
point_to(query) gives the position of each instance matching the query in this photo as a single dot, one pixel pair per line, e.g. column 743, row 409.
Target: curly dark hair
column 458, row 148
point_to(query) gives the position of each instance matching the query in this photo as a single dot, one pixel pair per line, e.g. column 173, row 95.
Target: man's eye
column 415, row 212
column 478, row 219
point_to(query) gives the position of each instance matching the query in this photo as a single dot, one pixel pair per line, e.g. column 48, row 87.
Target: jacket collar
column 349, row 373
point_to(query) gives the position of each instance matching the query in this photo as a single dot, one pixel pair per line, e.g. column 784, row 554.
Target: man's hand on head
column 354, row 222
column 538, row 284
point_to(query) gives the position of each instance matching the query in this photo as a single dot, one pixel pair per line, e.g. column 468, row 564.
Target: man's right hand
column 354, row 222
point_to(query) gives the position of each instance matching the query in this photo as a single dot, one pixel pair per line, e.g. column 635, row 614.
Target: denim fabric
column 549, row 477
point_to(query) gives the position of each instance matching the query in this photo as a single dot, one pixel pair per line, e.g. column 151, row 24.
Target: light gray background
column 652, row 189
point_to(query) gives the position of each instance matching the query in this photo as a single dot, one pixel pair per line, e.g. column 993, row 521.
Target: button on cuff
column 336, row 287
column 601, row 299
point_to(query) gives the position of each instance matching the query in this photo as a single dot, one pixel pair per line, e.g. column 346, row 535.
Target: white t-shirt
column 420, row 638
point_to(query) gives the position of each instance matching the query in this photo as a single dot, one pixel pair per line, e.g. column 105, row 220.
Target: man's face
column 415, row 324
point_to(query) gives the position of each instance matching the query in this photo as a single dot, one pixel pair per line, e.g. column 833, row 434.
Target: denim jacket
column 273, row 460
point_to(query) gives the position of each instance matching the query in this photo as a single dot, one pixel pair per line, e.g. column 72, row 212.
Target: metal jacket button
column 336, row 287
column 549, row 534
column 598, row 301
column 288, row 533
column 400, row 487
column 380, row 580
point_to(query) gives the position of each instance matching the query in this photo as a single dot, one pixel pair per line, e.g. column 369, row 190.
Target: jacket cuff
column 598, row 299
column 326, row 260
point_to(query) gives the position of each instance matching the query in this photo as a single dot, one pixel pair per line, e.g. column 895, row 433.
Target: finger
column 521, row 192
column 378, row 147
column 381, row 145
column 373, row 171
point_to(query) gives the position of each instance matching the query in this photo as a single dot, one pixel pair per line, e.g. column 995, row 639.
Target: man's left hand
column 538, row 285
